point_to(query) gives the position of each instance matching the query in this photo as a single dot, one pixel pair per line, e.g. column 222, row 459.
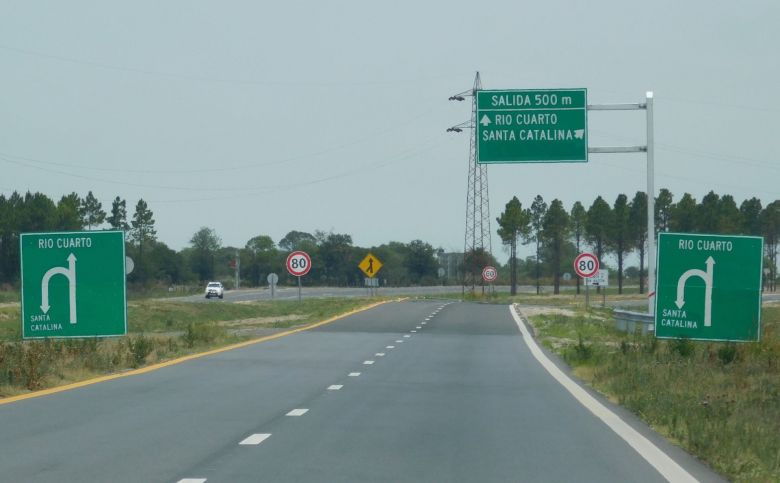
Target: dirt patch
column 261, row 320
column 531, row 310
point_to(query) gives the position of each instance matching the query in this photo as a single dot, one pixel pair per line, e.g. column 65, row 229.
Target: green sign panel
column 73, row 284
column 708, row 287
column 532, row 126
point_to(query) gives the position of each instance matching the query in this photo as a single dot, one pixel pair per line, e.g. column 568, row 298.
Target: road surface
column 409, row 391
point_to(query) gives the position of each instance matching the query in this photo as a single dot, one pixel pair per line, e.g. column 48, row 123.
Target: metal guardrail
column 628, row 321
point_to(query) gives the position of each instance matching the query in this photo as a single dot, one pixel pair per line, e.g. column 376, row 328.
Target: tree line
column 334, row 256
column 558, row 235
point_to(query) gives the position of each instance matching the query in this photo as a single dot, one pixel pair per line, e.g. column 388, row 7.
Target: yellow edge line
column 179, row 360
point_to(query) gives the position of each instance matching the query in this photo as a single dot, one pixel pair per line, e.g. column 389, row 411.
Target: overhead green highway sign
column 73, row 284
column 532, row 126
column 708, row 287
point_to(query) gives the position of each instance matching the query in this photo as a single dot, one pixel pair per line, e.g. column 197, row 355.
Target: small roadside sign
column 489, row 274
column 298, row 263
column 586, row 265
column 73, row 284
column 370, row 265
column 600, row 279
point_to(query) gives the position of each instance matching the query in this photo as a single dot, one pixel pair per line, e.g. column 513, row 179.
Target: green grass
column 721, row 401
column 8, row 296
column 158, row 330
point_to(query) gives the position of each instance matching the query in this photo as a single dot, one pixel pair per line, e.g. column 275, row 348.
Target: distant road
column 411, row 391
column 289, row 293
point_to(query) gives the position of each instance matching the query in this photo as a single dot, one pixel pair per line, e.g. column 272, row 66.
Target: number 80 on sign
column 298, row 263
column 586, row 265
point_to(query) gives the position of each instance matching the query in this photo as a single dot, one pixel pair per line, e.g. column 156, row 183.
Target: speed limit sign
column 586, row 265
column 298, row 263
column 489, row 274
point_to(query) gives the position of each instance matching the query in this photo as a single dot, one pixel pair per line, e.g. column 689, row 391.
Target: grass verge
column 720, row 401
column 159, row 330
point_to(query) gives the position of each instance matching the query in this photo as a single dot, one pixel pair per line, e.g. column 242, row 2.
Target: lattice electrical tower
column 477, row 241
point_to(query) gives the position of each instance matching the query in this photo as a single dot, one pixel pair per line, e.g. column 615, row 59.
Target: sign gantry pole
column 650, row 205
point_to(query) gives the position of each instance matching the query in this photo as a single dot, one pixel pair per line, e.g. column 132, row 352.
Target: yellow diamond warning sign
column 370, row 265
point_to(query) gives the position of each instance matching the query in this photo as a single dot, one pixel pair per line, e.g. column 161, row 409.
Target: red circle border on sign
column 308, row 263
column 485, row 278
column 586, row 255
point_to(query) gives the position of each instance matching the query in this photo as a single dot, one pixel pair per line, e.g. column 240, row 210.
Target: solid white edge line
column 659, row 460
column 255, row 439
column 297, row 412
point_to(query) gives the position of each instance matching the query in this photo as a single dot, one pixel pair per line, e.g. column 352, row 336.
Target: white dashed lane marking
column 380, row 354
column 255, row 439
column 192, row 480
column 413, row 331
column 407, row 336
column 399, row 342
column 335, row 387
column 390, row 347
column 418, row 327
column 297, row 412
column 354, row 374
column 368, row 363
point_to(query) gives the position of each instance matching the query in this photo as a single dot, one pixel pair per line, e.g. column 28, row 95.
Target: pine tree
column 91, row 212
column 513, row 223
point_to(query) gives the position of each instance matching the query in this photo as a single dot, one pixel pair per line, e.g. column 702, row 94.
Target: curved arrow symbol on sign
column 707, row 277
column 70, row 274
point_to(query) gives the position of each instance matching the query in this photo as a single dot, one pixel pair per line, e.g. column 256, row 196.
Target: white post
column 650, row 206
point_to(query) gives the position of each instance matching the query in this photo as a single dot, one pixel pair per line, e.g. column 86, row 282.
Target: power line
column 198, row 78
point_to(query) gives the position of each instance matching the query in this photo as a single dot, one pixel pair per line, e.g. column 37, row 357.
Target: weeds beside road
column 720, row 401
column 158, row 331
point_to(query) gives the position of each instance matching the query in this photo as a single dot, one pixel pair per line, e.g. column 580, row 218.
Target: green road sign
column 708, row 287
column 532, row 126
column 73, row 284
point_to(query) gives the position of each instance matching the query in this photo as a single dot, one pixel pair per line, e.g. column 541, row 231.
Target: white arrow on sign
column 707, row 277
column 485, row 120
column 70, row 274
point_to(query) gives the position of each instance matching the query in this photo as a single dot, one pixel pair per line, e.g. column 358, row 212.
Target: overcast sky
column 264, row 117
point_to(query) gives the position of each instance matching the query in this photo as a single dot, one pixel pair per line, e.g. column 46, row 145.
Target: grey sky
column 261, row 118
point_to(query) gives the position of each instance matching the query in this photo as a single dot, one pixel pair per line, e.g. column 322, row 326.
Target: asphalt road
column 453, row 394
column 291, row 293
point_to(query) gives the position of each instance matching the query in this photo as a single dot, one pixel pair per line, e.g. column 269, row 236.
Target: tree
column 257, row 258
column 296, row 240
column 684, row 214
column 619, row 236
column 750, row 211
column 538, row 210
column 729, row 216
column 708, row 219
column 91, row 212
column 770, row 226
column 205, row 244
column 118, row 218
column 555, row 231
column 513, row 223
column 338, row 264
column 663, row 211
column 419, row 261
column 637, row 220
column 597, row 225
column 578, row 217
column 68, row 217
column 142, row 232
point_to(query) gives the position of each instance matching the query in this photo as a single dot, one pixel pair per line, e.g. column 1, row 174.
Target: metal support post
column 650, row 207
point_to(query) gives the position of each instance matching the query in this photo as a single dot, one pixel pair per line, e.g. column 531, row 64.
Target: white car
column 214, row 289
